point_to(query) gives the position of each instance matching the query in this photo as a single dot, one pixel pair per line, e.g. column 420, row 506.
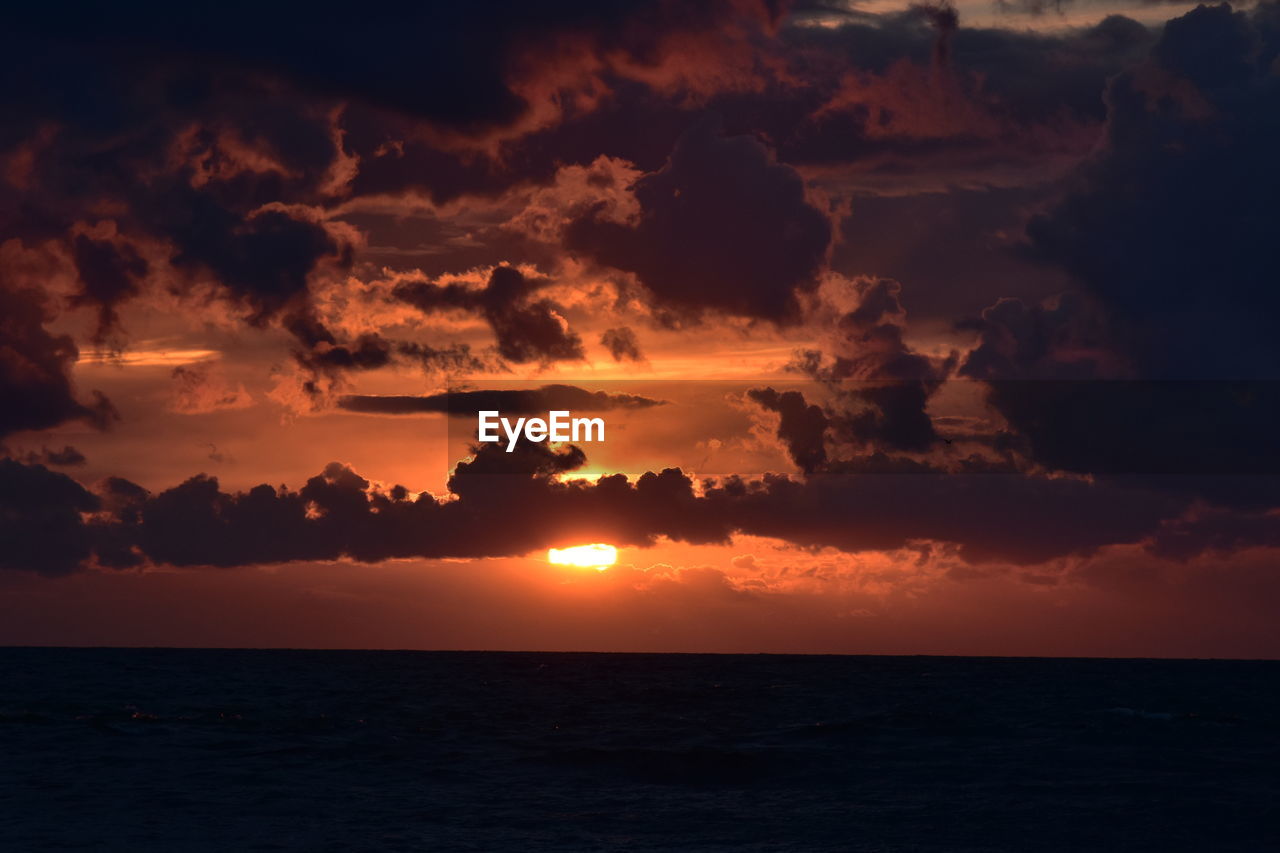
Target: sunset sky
column 917, row 328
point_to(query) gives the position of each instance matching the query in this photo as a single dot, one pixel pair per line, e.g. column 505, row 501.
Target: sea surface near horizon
column 228, row 750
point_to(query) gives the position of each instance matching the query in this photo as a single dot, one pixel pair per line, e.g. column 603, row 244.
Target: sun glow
column 598, row 557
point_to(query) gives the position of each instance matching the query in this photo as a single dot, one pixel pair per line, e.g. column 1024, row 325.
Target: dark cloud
column 527, row 328
column 264, row 259
column 943, row 17
column 802, row 427
column 368, row 351
column 1060, row 378
column 722, row 227
column 1169, row 227
column 325, row 359
column 216, row 146
column 1147, row 427
column 451, row 358
column 67, row 457
column 114, row 531
column 1064, row 338
column 507, row 504
column 1041, row 7
column 1167, row 230
column 622, row 344
column 953, row 250
column 191, row 128
column 515, row 402
column 880, row 385
column 220, row 151
column 219, row 156
column 1220, row 531
column 40, row 519
column 914, row 107
column 1032, row 7
column 109, row 273
column 1030, row 77
column 392, row 53
column 199, row 167
column 992, row 517
column 35, row 382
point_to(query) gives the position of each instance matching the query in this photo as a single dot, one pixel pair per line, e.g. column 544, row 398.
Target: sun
column 597, row 556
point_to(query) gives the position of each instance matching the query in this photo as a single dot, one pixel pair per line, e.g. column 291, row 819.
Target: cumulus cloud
column 880, row 386
column 802, row 427
column 41, row 520
column 722, row 227
column 1165, row 226
column 1164, row 231
column 988, row 517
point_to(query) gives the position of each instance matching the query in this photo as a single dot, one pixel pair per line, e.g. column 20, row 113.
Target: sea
column 246, row 750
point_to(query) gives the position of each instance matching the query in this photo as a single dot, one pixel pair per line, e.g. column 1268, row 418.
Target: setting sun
column 599, row 557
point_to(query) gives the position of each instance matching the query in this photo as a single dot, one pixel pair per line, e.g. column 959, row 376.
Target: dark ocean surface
column 175, row 750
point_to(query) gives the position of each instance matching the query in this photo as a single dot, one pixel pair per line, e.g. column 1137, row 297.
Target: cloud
column 880, row 386
column 1215, row 530
column 219, row 161
column 110, row 272
column 201, row 388
column 1168, row 226
column 515, row 402
column 35, row 383
column 208, row 160
column 324, row 360
column 1040, row 7
column 527, row 328
column 395, row 50
column 211, row 190
column 504, row 504
column 802, row 427
column 1166, row 230
column 622, row 344
column 1061, row 339
column 722, row 227
column 67, row 457
column 40, row 519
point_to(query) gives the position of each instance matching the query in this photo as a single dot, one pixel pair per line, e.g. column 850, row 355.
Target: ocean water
column 221, row 750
